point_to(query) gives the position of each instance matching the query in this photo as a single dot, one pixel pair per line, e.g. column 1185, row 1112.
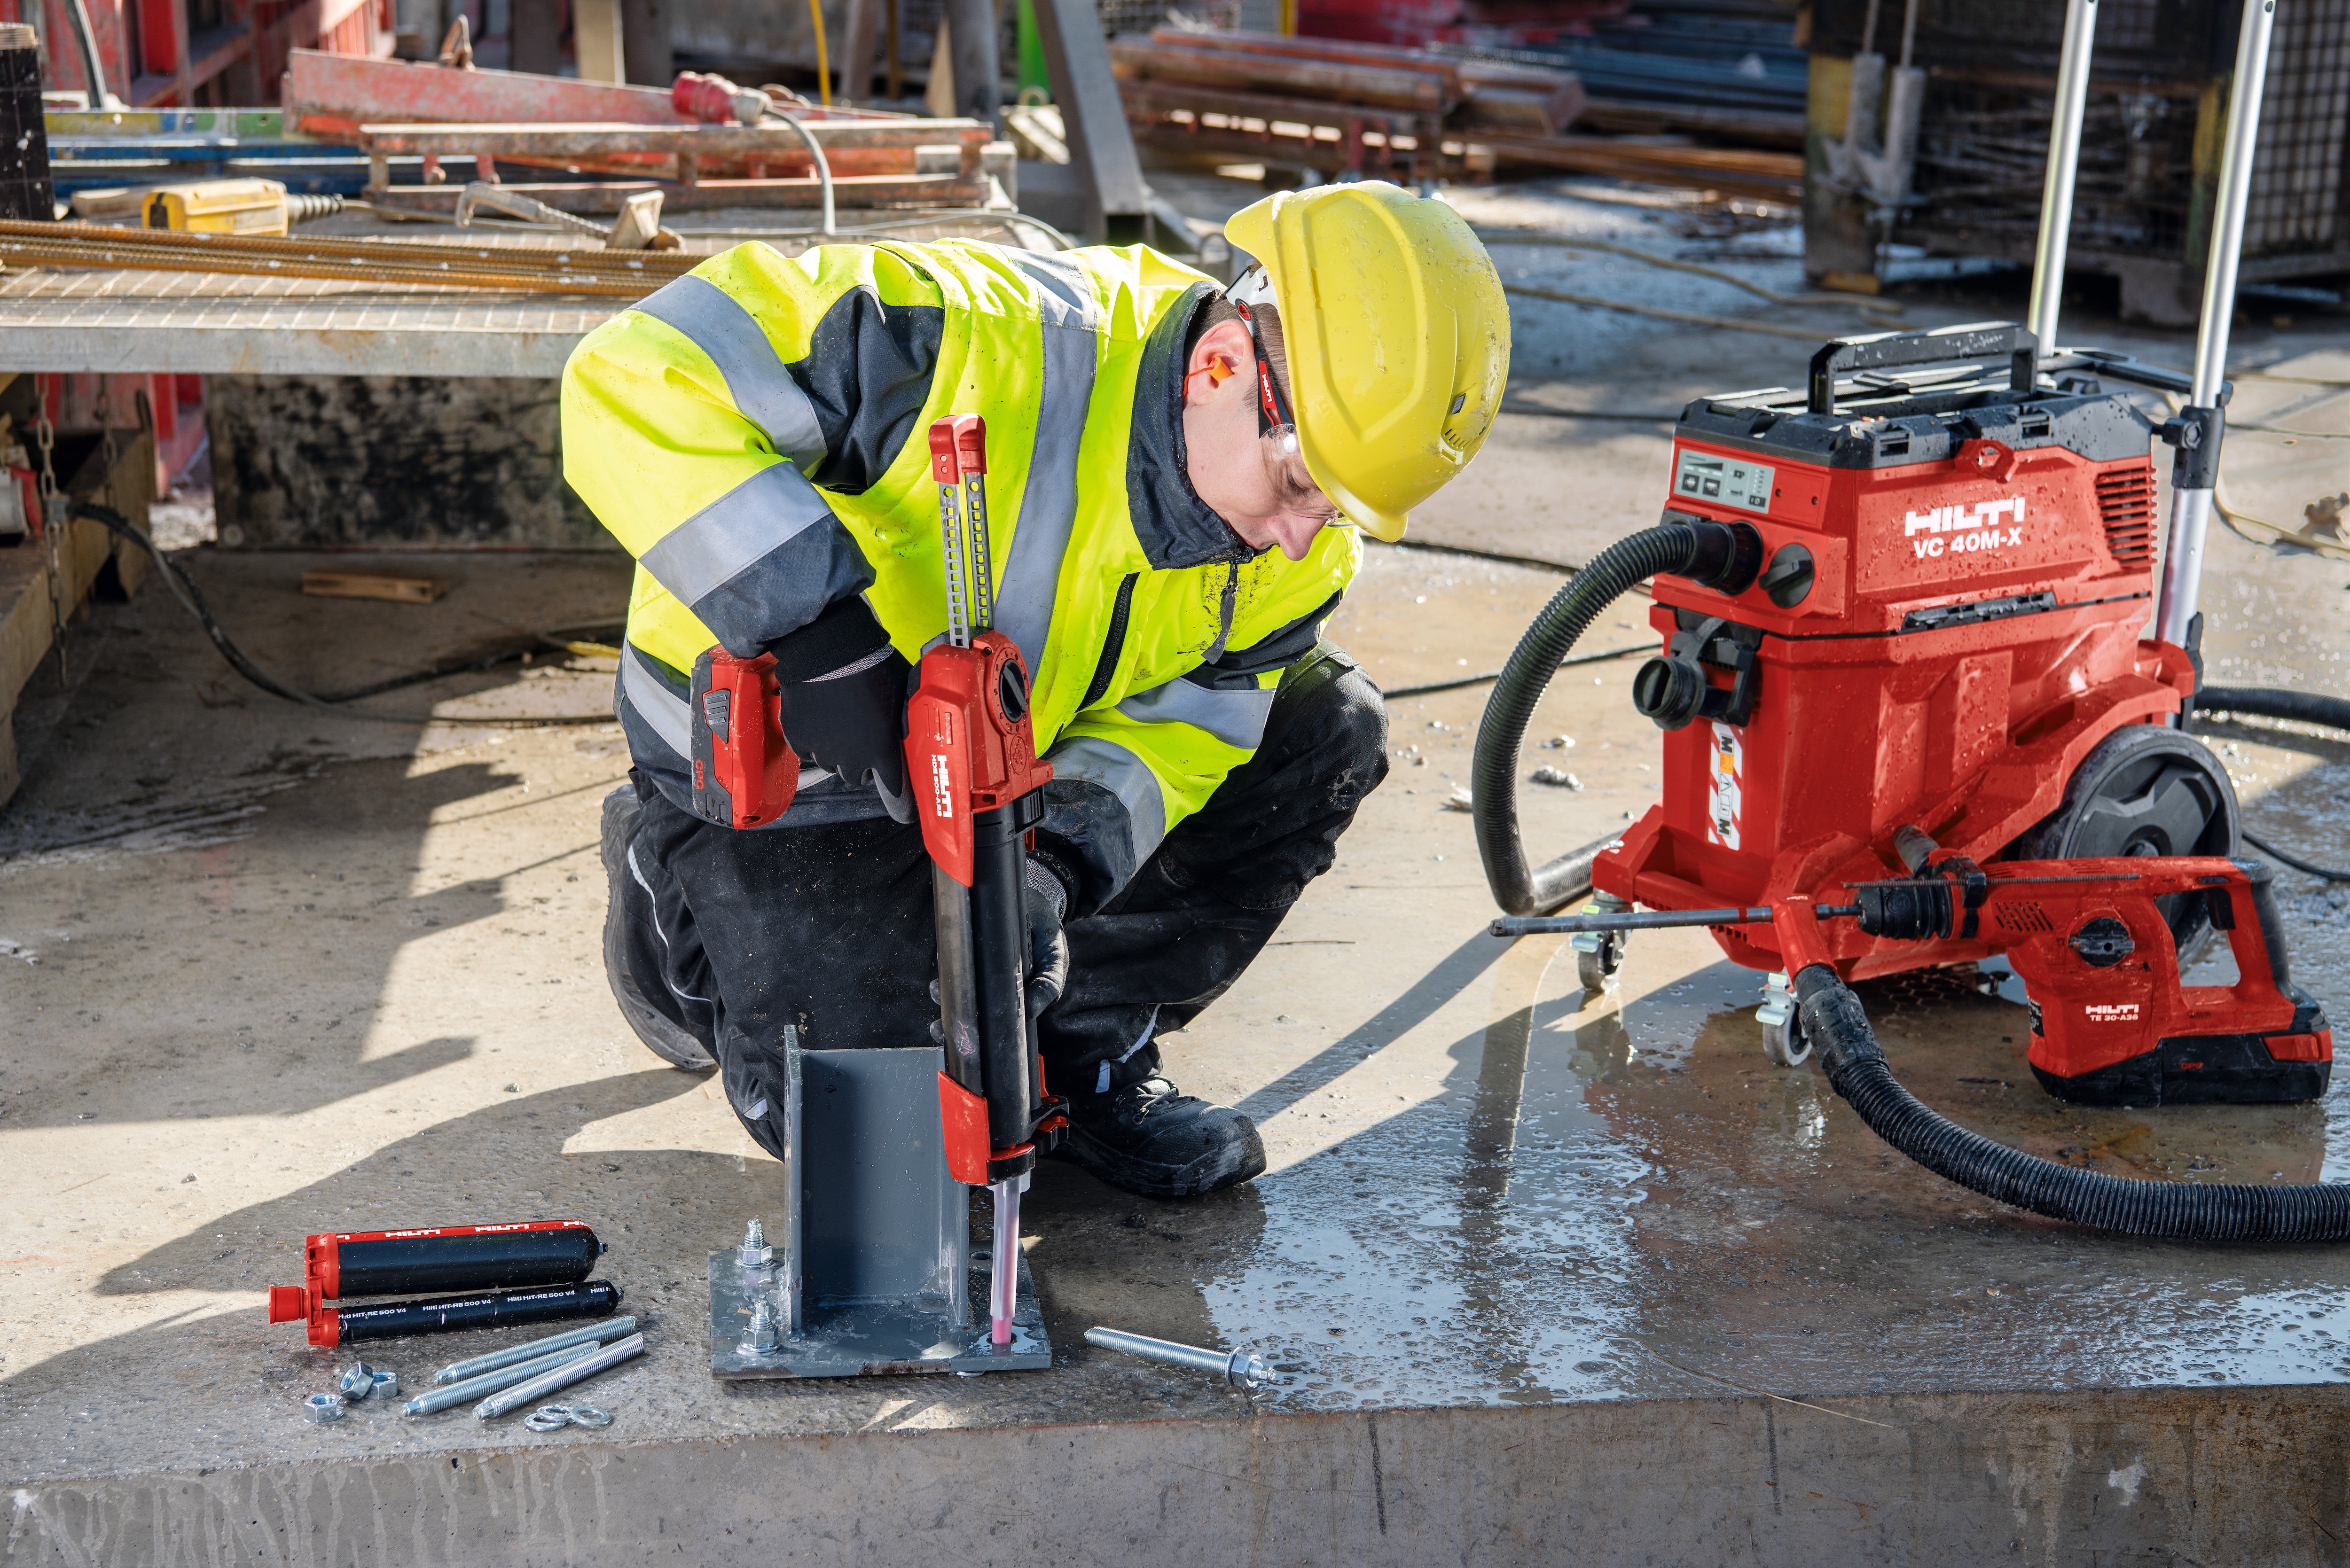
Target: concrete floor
column 1547, row 1275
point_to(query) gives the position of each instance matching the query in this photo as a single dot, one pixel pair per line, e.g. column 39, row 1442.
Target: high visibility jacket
column 755, row 434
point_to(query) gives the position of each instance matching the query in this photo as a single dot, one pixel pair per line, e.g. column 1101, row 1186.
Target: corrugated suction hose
column 2183, row 1210
column 1703, row 551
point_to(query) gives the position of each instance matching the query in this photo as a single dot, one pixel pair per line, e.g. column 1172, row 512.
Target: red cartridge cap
column 326, row 1325
column 293, row 1303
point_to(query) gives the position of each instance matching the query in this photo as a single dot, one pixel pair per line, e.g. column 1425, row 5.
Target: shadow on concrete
column 428, row 1177
column 1451, row 975
column 278, row 970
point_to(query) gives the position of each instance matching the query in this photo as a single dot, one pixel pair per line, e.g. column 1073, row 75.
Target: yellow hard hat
column 1396, row 335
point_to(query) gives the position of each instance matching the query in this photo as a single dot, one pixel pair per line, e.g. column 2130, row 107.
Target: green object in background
column 1033, row 75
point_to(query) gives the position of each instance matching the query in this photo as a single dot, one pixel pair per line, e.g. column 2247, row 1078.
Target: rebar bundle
column 620, row 275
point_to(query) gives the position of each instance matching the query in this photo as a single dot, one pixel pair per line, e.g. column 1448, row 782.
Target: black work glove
column 843, row 700
column 1045, row 900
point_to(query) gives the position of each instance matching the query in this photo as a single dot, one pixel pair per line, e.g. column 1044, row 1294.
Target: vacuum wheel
column 1597, row 964
column 2147, row 790
column 1789, row 1043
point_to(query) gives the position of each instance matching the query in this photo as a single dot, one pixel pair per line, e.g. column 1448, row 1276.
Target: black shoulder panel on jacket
column 868, row 371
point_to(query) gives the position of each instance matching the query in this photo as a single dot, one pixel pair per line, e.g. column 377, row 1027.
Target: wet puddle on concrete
column 1618, row 1196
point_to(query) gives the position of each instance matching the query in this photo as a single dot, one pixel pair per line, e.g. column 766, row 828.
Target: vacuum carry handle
column 1981, row 340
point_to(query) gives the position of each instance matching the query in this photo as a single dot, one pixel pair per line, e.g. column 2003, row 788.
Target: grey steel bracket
column 877, row 1274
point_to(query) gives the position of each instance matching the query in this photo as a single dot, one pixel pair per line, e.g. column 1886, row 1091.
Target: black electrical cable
column 2300, row 707
column 191, row 599
column 1480, row 678
column 1519, row 887
column 2307, row 868
column 2186, row 1211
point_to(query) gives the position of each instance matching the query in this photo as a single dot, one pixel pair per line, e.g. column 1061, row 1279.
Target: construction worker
column 1175, row 475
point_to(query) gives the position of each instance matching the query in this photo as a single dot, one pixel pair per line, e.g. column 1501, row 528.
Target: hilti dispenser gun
column 2111, row 1022
column 971, row 763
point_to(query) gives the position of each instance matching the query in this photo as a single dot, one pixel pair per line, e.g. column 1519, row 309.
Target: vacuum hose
column 2274, row 702
column 2186, row 1211
column 1713, row 554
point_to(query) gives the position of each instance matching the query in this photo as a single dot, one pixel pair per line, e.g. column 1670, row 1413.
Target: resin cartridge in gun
column 971, row 765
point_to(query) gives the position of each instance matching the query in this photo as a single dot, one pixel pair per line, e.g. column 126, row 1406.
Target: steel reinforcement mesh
column 1982, row 152
column 1983, row 157
column 2295, row 202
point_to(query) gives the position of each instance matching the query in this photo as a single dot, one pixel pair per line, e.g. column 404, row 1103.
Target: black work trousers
column 733, row 935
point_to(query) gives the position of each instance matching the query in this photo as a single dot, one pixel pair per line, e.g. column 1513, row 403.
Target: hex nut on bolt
column 753, row 1253
column 320, row 1408
column 357, row 1381
column 760, row 1338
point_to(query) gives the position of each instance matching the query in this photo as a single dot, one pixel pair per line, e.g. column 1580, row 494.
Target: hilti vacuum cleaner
column 1901, row 609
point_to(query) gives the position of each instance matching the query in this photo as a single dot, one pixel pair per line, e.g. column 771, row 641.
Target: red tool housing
column 971, row 765
column 744, row 770
column 1943, row 624
column 2112, row 1021
column 969, row 744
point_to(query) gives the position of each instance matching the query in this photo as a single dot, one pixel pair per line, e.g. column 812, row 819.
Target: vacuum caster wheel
column 1599, row 954
column 1595, row 965
column 1785, row 1040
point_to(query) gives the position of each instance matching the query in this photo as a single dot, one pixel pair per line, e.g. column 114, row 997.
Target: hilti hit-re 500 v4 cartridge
column 453, row 1314
column 477, row 1258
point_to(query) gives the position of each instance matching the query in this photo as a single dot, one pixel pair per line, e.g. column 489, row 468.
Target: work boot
column 1151, row 1140
column 667, row 1040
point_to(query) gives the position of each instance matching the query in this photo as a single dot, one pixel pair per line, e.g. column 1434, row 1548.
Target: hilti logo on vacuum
column 2110, row 1011
column 1957, row 530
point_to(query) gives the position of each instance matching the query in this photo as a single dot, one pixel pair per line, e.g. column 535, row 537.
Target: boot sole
column 1242, row 1160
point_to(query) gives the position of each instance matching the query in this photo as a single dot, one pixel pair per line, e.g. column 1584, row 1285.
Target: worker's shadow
column 505, row 1161
column 232, row 1042
column 1107, row 1257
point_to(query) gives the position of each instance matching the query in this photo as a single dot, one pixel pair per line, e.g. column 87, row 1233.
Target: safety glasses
column 1284, row 462
column 1294, row 489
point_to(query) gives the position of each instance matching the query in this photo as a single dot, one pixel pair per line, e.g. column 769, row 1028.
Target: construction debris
column 1333, row 106
column 1349, row 107
column 399, row 587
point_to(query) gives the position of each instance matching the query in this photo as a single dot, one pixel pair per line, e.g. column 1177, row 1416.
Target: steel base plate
column 869, row 1338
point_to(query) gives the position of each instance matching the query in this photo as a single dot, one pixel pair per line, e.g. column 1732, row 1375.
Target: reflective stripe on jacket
column 755, row 434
